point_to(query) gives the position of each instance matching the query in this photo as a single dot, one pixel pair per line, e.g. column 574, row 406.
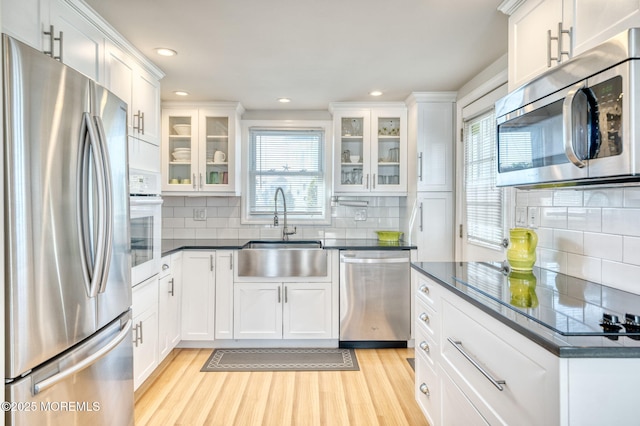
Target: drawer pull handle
column 424, row 289
column 424, row 346
column 424, row 389
column 458, row 345
column 424, row 317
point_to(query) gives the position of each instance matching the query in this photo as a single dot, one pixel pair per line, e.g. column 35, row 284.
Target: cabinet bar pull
column 549, row 40
column 141, row 122
column 279, row 297
column 420, row 167
column 193, row 182
column 211, row 262
column 286, row 297
column 458, row 345
column 201, row 186
column 561, row 52
column 421, row 219
column 366, row 186
column 373, row 181
column 231, row 261
column 141, row 342
column 60, row 43
column 171, row 291
column 137, row 117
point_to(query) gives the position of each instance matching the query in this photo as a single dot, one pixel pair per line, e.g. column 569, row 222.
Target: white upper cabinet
column 544, row 33
column 25, row 20
column 144, row 110
column 534, row 41
column 200, row 149
column 371, row 148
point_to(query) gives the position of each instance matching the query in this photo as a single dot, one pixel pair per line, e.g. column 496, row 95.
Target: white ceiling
column 314, row 52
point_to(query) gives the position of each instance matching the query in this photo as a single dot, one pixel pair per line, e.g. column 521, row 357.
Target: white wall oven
column 146, row 225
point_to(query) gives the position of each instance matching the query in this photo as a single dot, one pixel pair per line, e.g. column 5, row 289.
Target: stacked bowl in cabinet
column 427, row 337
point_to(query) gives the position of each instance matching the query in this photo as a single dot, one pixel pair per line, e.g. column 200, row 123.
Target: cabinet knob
column 424, row 317
column 424, row 346
column 165, row 266
column 424, row 289
column 424, row 389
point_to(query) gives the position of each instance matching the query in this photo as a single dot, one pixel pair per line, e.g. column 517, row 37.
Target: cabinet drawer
column 145, row 295
column 426, row 317
column 426, row 346
column 528, row 394
column 426, row 290
column 427, row 390
column 165, row 266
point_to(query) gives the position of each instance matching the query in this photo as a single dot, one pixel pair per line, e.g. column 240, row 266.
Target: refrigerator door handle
column 93, row 267
column 108, row 203
column 87, row 362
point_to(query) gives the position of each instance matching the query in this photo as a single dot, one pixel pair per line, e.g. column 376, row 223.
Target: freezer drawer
column 375, row 299
column 99, row 394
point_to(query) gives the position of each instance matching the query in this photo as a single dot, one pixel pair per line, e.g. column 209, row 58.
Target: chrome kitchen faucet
column 285, row 230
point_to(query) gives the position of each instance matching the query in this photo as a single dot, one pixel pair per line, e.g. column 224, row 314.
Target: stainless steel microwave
column 578, row 123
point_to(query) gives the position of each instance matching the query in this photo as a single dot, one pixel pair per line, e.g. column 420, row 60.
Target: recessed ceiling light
column 284, row 100
column 181, row 93
column 375, row 93
column 163, row 51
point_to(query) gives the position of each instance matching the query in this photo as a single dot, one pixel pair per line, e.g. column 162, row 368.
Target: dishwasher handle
column 346, row 259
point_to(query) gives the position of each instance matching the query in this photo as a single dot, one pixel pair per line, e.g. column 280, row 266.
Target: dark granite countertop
column 558, row 312
column 172, row 245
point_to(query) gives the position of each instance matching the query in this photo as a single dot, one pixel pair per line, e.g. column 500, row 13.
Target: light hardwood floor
column 381, row 393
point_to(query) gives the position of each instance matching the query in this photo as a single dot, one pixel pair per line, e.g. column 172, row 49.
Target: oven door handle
column 346, row 259
column 568, row 124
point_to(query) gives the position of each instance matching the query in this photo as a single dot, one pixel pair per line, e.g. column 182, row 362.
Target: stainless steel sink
column 274, row 259
column 280, row 244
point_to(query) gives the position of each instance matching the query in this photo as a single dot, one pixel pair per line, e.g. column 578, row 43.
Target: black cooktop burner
column 610, row 324
column 632, row 324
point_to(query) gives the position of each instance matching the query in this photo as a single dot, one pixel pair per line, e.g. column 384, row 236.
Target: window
column 293, row 159
column 484, row 201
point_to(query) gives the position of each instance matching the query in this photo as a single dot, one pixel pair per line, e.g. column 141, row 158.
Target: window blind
column 292, row 159
column 484, row 201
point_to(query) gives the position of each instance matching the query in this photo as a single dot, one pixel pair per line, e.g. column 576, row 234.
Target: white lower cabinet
column 460, row 349
column 198, row 295
column 282, row 310
column 170, row 286
column 145, row 330
column 224, row 294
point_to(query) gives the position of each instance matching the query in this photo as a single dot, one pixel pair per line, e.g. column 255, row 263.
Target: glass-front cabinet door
column 388, row 159
column 352, row 159
column 218, row 144
column 370, row 155
column 180, row 151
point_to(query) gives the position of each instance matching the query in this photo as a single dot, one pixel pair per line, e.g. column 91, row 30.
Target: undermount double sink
column 282, row 259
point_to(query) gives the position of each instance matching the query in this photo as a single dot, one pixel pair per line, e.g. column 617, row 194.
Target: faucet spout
column 285, row 229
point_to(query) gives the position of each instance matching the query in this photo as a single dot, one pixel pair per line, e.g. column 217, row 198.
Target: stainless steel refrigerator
column 68, row 343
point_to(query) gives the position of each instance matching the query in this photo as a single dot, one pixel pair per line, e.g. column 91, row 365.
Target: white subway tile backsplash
column 621, row 275
column 541, row 198
column 172, row 222
column 584, row 219
column 227, row 233
column 622, row 221
column 545, row 237
column 184, row 233
column 183, row 212
column 569, row 241
column 604, row 246
column 195, row 202
column 588, row 268
column 173, row 201
column 217, row 202
column 553, row 217
column 206, row 233
column 630, row 250
column 190, row 223
column 631, row 197
column 552, row 259
column 567, row 198
column 522, row 197
column 603, row 197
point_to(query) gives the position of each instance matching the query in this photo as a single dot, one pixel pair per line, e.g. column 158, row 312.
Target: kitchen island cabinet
column 493, row 352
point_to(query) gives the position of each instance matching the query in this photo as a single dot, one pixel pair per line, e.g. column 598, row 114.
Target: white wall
column 591, row 233
column 223, row 220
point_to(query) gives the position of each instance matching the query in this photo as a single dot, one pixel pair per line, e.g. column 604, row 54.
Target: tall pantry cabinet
column 431, row 132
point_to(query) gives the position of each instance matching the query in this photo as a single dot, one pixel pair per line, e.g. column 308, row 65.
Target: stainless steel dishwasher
column 375, row 298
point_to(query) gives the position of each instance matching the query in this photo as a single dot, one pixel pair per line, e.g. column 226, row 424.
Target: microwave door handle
column 567, row 125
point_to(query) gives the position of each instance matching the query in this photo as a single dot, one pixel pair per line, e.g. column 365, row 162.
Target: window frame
column 264, row 219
